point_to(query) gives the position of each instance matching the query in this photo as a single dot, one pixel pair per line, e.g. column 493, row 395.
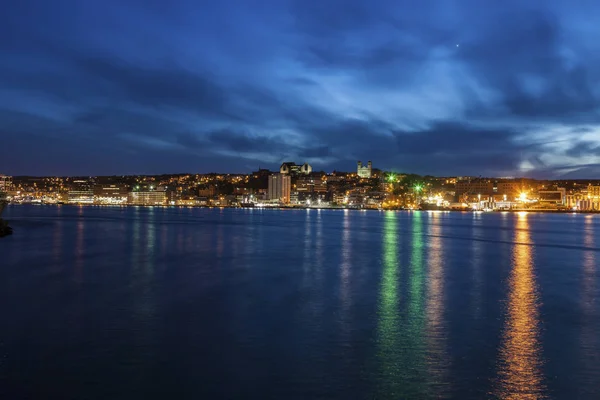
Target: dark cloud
column 590, row 171
column 437, row 88
column 585, row 148
column 460, row 148
column 166, row 86
column 456, row 139
column 522, row 57
column 243, row 142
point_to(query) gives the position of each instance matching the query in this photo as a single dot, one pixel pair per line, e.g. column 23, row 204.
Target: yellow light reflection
column 520, row 361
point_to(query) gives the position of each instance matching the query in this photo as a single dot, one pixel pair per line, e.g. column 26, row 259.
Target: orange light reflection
column 520, row 362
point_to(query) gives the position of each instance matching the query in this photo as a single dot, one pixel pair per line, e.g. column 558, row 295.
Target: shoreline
column 5, row 230
column 3, row 224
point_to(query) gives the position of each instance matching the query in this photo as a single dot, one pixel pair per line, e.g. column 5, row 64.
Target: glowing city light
column 418, row 188
column 523, row 196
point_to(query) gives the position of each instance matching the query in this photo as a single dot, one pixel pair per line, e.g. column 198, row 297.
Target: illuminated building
column 340, row 198
column 364, row 171
column 81, row 193
column 594, row 197
column 280, row 187
column 573, row 200
column 474, row 188
column 5, row 183
column 294, row 198
column 557, row 197
column 142, row 197
column 208, row 191
column 510, row 189
column 305, row 169
column 80, row 197
column 110, row 194
column 310, row 185
column 291, row 168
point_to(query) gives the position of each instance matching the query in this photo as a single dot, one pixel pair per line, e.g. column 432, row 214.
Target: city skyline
column 441, row 89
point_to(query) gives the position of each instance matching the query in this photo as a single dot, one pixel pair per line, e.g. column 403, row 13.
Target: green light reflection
column 416, row 347
column 401, row 343
column 389, row 316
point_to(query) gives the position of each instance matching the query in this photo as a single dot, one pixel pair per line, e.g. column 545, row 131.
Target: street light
column 523, row 197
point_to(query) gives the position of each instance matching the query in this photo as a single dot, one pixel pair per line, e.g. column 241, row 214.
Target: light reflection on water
column 389, row 318
column 438, row 360
column 345, row 264
column 57, row 245
column 335, row 304
column 520, row 359
column 79, row 250
column 590, row 337
column 407, row 338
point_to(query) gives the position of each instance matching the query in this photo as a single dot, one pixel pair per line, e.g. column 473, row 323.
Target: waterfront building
column 152, row 197
column 364, row 171
column 557, row 197
column 511, row 189
column 110, row 194
column 81, row 192
column 294, row 197
column 83, row 196
column 280, row 187
column 340, row 198
column 572, row 200
column 474, row 188
column 594, row 197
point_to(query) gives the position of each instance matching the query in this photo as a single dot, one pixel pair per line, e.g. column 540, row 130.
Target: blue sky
column 432, row 87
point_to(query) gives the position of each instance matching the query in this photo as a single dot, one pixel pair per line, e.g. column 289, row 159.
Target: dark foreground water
column 153, row 303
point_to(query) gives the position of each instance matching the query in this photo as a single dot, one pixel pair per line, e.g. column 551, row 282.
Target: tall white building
column 280, row 186
column 364, row 171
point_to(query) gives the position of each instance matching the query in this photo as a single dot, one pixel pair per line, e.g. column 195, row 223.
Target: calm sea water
column 156, row 303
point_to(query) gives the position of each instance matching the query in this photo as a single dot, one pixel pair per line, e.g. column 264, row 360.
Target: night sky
column 470, row 87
